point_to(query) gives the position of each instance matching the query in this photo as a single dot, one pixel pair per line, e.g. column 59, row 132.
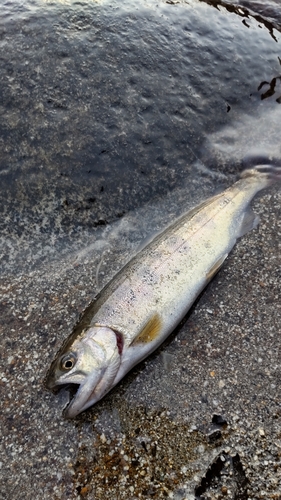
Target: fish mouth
column 72, row 390
column 70, row 410
column 95, row 386
column 82, row 395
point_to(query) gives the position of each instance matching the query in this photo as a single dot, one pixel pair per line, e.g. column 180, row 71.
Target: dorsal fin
column 150, row 331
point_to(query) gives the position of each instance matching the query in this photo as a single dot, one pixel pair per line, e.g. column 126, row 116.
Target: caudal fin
column 270, row 174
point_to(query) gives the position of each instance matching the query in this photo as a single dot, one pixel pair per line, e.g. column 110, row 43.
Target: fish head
column 90, row 363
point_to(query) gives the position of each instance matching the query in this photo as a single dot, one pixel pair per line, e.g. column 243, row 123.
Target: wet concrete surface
column 264, row 12
column 76, row 77
column 114, row 121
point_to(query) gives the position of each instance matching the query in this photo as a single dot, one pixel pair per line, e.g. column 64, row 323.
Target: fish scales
column 146, row 300
column 184, row 253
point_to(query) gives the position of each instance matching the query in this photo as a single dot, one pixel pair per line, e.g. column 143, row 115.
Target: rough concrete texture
column 165, row 128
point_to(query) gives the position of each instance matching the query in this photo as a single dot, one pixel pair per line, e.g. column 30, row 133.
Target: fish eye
column 68, row 361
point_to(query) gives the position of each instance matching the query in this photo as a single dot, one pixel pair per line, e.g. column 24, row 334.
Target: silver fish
column 147, row 299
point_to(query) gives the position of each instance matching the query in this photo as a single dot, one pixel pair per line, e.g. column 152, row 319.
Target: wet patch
column 71, row 159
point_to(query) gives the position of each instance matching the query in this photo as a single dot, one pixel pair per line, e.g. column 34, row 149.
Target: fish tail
column 267, row 174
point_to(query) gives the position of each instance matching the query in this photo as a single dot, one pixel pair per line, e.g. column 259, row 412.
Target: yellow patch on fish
column 150, row 331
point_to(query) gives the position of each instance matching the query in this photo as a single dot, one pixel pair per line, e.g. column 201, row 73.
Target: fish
column 145, row 301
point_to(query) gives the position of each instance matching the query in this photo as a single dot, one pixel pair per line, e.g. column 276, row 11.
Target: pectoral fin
column 150, row 331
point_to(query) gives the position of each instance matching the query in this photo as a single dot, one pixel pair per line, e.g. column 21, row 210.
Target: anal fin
column 249, row 221
column 216, row 267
